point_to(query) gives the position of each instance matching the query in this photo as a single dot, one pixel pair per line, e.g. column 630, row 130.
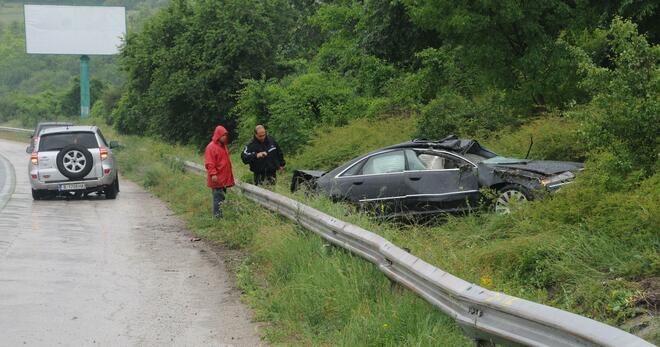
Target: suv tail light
column 104, row 153
column 34, row 158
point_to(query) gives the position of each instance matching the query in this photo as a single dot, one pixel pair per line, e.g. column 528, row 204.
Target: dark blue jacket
column 267, row 164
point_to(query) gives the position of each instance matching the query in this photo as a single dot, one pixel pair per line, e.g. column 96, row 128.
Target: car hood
column 542, row 167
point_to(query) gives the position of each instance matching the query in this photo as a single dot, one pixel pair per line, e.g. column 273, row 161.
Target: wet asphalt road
column 98, row 272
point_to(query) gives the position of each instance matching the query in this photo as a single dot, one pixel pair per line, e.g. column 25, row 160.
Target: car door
column 439, row 180
column 375, row 180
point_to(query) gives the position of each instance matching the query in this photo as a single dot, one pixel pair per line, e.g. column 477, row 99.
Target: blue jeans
column 218, row 198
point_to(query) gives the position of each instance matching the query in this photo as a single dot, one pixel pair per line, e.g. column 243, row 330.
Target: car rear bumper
column 88, row 185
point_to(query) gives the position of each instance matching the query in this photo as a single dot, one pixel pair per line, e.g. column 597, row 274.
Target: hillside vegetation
column 36, row 87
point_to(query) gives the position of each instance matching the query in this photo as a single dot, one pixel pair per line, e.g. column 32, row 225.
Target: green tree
column 186, row 66
column 513, row 44
column 624, row 114
column 70, row 101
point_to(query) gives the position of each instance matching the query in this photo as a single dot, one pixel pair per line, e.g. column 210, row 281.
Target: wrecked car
column 449, row 175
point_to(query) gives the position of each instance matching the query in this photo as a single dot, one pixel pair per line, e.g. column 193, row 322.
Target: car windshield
column 55, row 142
column 474, row 158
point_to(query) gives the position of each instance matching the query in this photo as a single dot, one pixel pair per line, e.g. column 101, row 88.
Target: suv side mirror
column 28, row 150
column 114, row 144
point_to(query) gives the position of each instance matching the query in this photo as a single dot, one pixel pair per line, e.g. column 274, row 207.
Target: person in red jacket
column 218, row 166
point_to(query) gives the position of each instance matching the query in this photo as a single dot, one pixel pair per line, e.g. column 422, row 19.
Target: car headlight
column 564, row 176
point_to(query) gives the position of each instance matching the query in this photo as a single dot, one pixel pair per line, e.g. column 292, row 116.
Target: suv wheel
column 74, row 162
column 112, row 190
column 36, row 194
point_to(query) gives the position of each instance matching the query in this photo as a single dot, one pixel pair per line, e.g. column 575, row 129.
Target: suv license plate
column 74, row 186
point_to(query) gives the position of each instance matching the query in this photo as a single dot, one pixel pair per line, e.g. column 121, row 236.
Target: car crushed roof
column 450, row 142
column 68, row 129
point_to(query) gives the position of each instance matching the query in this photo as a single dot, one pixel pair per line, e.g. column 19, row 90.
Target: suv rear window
column 55, row 142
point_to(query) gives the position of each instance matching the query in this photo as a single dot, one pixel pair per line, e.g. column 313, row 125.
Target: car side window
column 385, row 163
column 435, row 161
column 353, row 170
column 414, row 163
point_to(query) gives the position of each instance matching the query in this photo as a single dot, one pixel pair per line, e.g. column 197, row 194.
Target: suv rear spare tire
column 74, row 162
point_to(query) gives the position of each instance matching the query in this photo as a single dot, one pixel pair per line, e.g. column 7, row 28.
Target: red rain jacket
column 217, row 162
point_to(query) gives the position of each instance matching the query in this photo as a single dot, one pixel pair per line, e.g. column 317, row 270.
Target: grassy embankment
column 588, row 249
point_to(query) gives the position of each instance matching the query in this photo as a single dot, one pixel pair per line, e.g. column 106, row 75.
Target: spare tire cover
column 74, row 161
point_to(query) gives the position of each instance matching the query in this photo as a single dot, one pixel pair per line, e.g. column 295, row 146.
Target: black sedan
column 448, row 175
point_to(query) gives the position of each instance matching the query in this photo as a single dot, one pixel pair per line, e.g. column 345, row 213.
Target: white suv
column 73, row 160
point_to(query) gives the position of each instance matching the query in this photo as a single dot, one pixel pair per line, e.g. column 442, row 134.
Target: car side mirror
column 28, row 149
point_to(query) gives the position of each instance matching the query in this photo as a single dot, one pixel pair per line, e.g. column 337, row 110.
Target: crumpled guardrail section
column 486, row 316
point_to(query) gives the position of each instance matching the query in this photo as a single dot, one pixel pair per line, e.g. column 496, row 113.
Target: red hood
column 219, row 131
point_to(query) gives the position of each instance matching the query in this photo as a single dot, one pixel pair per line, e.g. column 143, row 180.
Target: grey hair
column 259, row 127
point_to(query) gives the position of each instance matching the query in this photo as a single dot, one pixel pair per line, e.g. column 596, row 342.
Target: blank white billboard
column 94, row 30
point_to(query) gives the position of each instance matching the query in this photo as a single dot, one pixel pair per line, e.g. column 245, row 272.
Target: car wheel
column 36, row 195
column 112, row 190
column 509, row 197
column 74, row 162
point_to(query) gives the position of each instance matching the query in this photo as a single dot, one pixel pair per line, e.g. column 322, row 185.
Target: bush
column 451, row 113
column 554, row 138
column 346, row 58
column 293, row 108
column 332, row 147
column 624, row 114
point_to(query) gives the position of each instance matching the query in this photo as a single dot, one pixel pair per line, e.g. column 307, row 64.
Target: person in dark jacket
column 264, row 156
column 218, row 167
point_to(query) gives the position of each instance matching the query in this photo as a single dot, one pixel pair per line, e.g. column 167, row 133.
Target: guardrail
column 17, row 130
column 486, row 316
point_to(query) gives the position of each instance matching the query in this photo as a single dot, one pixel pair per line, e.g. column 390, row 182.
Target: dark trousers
column 267, row 177
column 218, row 198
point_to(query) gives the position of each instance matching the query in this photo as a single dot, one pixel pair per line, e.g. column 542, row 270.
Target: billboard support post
column 84, row 86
